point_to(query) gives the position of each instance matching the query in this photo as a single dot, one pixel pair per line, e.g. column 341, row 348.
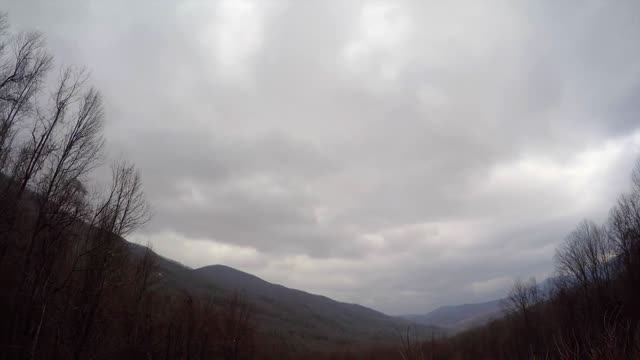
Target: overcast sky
column 398, row 154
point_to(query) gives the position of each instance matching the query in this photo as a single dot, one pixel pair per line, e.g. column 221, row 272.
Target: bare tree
column 523, row 296
column 125, row 207
column 24, row 63
column 237, row 328
column 66, row 257
column 520, row 303
column 635, row 178
column 45, row 140
column 68, row 147
column 142, row 281
column 410, row 344
column 624, row 231
column 123, row 210
column 584, row 256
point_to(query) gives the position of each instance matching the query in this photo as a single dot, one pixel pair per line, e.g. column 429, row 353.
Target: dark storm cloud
column 375, row 151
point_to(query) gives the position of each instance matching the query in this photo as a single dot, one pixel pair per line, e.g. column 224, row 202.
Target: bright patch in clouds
column 198, row 252
column 233, row 35
column 383, row 30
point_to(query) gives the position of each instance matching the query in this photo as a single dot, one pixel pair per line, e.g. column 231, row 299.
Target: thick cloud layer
column 399, row 154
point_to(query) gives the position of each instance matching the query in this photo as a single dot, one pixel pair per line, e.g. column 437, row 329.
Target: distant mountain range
column 455, row 318
column 315, row 321
column 308, row 320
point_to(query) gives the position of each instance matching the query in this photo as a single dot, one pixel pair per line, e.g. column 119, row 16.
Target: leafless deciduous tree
column 237, row 328
column 24, row 63
column 125, row 207
column 411, row 345
column 523, row 296
column 65, row 247
column 585, row 254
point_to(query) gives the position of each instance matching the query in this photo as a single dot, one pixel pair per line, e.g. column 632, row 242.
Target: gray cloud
column 400, row 154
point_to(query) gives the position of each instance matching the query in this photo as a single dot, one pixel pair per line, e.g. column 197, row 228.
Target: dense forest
column 72, row 288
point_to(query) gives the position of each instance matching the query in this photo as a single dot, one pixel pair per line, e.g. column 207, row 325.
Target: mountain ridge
column 230, row 269
column 460, row 317
column 311, row 321
column 308, row 314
